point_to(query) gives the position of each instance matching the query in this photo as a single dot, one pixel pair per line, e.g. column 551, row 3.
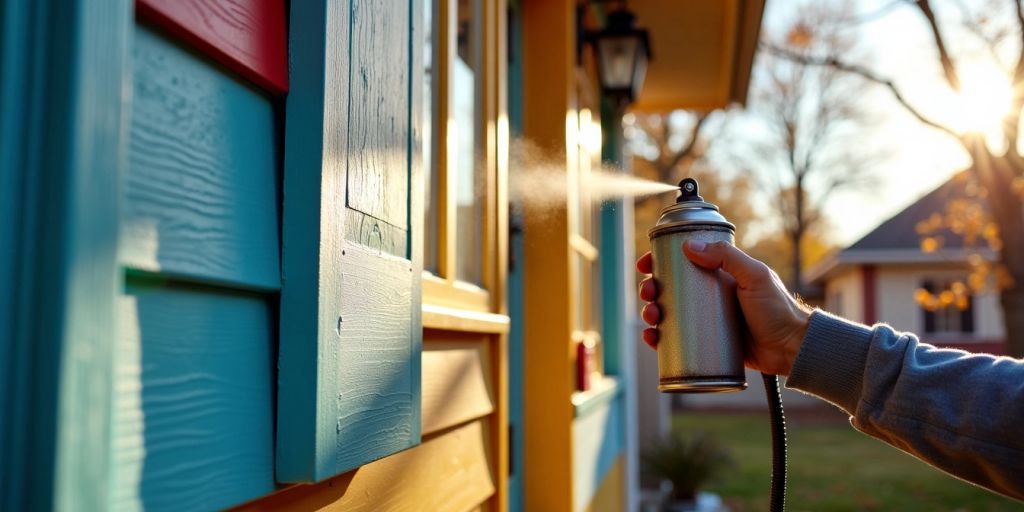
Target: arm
column 961, row 412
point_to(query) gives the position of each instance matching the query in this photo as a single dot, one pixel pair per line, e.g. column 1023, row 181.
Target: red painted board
column 246, row 36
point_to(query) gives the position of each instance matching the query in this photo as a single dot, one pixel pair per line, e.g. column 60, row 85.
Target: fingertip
column 650, row 337
column 645, row 264
column 648, row 289
column 651, row 314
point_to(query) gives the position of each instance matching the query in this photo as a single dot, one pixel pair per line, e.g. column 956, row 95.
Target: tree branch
column 863, row 73
column 944, row 58
column 690, row 146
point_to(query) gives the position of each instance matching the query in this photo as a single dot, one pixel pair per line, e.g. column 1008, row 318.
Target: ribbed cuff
column 830, row 364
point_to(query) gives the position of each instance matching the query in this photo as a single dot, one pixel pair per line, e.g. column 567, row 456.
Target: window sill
column 603, row 390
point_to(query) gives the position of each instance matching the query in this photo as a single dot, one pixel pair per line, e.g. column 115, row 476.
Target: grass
column 832, row 467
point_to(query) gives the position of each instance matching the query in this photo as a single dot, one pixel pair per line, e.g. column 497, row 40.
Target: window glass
column 464, row 160
column 948, row 308
column 430, row 175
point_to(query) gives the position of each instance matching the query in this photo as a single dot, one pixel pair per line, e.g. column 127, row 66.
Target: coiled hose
column 778, row 421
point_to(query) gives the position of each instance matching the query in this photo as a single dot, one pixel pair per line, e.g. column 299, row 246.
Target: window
column 459, row 192
column 584, row 229
column 947, row 306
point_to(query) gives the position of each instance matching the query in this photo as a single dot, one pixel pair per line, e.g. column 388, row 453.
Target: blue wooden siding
column 201, row 188
column 194, row 396
column 194, row 379
column 598, row 439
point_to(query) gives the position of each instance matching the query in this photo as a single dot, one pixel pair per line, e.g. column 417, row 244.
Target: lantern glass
column 617, row 59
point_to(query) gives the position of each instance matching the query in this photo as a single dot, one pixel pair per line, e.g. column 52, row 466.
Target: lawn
column 833, row 467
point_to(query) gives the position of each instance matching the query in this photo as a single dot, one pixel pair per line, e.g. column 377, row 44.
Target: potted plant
column 687, row 462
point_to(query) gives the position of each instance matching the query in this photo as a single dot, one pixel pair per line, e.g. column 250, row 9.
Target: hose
column 778, row 421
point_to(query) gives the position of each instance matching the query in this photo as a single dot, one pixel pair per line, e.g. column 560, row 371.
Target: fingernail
column 697, row 245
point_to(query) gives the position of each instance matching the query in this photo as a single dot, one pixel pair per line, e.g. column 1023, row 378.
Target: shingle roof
column 900, row 231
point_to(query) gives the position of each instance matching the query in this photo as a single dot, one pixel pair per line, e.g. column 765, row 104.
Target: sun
column 984, row 99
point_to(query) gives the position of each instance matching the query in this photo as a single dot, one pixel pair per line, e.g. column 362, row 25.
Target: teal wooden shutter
column 349, row 362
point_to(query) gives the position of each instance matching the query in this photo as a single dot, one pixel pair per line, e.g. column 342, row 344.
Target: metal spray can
column 700, row 347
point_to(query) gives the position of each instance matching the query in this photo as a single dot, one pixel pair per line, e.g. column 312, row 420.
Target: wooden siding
column 193, row 417
column 349, row 373
column 247, row 36
column 459, row 385
column 194, row 403
column 201, row 187
column 449, row 472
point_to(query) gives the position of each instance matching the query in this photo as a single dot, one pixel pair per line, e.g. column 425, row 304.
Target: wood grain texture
column 379, row 111
column 201, row 188
column 349, row 373
column 458, row 382
column 247, row 36
column 371, row 360
column 193, row 416
column 447, row 473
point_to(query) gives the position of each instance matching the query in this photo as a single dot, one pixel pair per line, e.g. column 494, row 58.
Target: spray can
column 700, row 347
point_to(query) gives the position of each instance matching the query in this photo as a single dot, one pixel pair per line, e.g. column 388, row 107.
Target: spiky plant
column 687, row 461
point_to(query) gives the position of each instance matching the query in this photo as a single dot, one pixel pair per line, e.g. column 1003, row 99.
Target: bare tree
column 998, row 169
column 668, row 148
column 812, row 114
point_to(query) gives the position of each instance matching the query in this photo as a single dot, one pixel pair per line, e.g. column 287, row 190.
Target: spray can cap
column 689, row 191
column 690, row 212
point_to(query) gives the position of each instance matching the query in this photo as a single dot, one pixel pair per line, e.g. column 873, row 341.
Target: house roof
column 897, row 240
column 900, row 231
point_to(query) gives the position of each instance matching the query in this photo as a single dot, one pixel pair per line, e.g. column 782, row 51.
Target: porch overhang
column 703, row 52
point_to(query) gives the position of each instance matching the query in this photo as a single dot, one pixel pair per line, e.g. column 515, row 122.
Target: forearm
column 960, row 412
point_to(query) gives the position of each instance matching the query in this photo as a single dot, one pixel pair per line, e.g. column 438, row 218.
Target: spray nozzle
column 689, row 191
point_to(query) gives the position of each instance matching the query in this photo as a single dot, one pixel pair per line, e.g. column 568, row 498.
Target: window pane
column 430, row 203
column 464, row 162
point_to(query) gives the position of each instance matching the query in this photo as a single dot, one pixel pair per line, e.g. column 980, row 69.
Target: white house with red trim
column 876, row 278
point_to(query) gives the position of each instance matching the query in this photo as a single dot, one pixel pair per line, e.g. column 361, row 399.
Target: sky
column 898, row 44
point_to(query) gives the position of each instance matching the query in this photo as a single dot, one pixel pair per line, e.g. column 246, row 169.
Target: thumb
column 746, row 270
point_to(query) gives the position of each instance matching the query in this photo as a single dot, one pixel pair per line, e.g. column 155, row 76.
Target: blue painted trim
column 66, row 138
column 598, row 439
column 612, row 241
column 515, row 274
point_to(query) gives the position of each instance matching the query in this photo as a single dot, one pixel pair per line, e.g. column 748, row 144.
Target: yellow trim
column 611, row 495
column 549, row 120
column 452, row 319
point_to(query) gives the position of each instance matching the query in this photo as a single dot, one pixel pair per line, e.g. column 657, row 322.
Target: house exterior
column 878, row 278
column 256, row 254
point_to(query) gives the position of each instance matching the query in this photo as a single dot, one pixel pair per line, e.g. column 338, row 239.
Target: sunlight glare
column 985, row 98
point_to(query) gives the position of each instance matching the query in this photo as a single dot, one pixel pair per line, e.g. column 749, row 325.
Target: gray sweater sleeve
column 961, row 412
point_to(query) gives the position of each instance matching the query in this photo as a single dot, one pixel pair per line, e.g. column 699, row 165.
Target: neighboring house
column 255, row 253
column 876, row 279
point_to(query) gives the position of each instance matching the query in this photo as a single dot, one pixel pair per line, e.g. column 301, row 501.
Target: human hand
column 776, row 321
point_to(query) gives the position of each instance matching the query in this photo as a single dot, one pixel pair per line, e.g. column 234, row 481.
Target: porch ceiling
column 703, row 52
